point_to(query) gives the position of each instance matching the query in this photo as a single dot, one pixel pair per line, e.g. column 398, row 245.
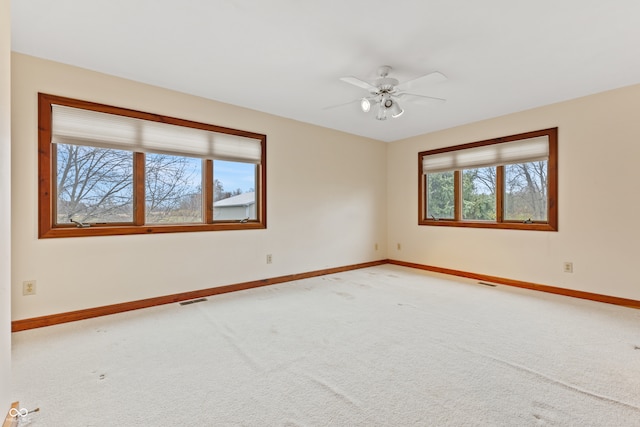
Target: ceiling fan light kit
column 394, row 108
column 386, row 103
column 385, row 90
column 365, row 104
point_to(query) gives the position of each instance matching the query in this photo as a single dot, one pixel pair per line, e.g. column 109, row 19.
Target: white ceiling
column 285, row 57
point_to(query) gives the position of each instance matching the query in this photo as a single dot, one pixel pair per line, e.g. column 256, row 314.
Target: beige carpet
column 382, row 346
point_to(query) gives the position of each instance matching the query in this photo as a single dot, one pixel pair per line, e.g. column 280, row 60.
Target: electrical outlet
column 399, row 246
column 269, row 258
column 29, row 287
column 376, row 246
column 567, row 267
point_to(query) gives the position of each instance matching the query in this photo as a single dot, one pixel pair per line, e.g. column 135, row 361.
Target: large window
column 508, row 182
column 105, row 170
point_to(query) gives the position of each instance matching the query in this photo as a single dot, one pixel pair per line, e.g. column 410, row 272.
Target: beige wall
column 332, row 197
column 5, row 206
column 599, row 151
column 326, row 204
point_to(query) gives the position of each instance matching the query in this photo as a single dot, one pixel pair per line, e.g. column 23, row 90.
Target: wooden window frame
column 500, row 223
column 47, row 227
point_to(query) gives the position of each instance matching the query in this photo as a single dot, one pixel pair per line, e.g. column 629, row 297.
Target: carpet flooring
column 381, row 346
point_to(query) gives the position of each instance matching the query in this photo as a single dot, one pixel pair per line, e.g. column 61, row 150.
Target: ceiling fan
column 385, row 91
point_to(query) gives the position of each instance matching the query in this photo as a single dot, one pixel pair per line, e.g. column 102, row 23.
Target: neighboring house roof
column 244, row 199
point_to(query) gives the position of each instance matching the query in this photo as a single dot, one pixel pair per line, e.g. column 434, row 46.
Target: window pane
column 440, row 195
column 173, row 189
column 525, row 191
column 479, row 194
column 234, row 185
column 94, row 185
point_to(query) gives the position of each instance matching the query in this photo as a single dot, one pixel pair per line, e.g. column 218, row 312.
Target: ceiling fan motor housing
column 386, row 84
column 384, row 92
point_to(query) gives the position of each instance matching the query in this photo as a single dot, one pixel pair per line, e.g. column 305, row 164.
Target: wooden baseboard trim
column 72, row 316
column 10, row 421
column 527, row 285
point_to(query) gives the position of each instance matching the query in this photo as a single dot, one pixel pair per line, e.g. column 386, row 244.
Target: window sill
column 56, row 232
column 489, row 224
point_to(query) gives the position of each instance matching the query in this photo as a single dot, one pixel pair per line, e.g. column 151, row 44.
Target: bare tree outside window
column 107, row 171
column 219, row 193
column 94, row 184
column 173, row 189
column 526, row 191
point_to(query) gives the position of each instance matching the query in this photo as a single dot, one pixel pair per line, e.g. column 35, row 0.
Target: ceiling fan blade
column 420, row 99
column 360, row 83
column 431, row 78
column 341, row 105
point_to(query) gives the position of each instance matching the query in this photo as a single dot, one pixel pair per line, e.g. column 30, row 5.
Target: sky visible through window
column 232, row 175
column 235, row 175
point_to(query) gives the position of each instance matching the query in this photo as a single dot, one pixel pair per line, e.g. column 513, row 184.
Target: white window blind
column 85, row 127
column 519, row 151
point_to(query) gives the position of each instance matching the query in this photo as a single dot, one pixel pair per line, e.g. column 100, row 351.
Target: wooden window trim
column 552, row 191
column 46, row 191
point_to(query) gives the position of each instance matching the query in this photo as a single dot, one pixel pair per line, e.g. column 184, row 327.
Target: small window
column 94, row 185
column 105, row 170
column 173, row 189
column 479, row 194
column 234, row 191
column 526, row 191
column 440, row 195
column 509, row 182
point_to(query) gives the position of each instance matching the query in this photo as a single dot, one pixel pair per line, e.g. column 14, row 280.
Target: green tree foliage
column 479, row 194
column 525, row 193
column 440, row 197
column 478, row 202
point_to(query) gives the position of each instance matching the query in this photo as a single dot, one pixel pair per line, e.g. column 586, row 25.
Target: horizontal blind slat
column 92, row 128
column 520, row 151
